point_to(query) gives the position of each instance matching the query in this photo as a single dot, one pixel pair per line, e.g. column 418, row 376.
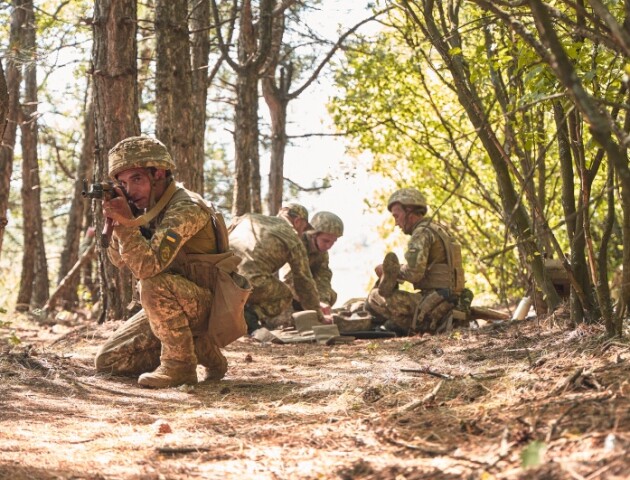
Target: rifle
column 102, row 191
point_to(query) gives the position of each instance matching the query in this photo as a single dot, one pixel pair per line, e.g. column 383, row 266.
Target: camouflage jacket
column 181, row 227
column 267, row 243
column 423, row 250
column 318, row 264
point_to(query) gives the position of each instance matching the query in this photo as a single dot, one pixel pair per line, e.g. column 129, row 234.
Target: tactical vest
column 443, row 275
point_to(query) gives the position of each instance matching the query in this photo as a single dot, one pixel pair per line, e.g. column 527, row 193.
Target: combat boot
column 209, row 355
column 169, row 374
column 389, row 279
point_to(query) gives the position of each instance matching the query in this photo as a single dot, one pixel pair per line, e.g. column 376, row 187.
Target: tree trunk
column 276, row 95
column 34, row 284
column 4, row 101
column 578, row 261
column 14, row 78
column 76, row 215
column 247, row 178
column 200, row 26
column 174, row 89
column 115, row 102
column 278, row 112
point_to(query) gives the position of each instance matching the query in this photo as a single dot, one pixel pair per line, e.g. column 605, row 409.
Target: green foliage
column 533, row 454
column 398, row 101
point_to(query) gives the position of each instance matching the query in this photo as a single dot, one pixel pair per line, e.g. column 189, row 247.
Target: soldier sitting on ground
column 326, row 229
column 265, row 244
column 168, row 338
column 434, row 268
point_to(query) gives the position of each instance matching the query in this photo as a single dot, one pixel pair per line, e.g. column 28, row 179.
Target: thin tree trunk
column 76, row 214
column 568, row 204
column 277, row 98
column 34, row 283
column 278, row 112
column 14, row 79
column 116, row 117
column 200, row 26
column 4, row 101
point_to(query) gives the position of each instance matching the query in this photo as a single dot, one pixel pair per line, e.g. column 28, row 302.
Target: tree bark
column 34, row 284
column 277, row 98
column 115, row 102
column 571, row 217
column 14, row 79
column 4, row 101
column 200, row 52
column 174, row 89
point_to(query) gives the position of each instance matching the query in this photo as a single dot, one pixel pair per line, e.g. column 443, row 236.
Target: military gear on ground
column 265, row 244
column 407, row 197
column 170, row 374
column 327, row 222
column 138, row 152
column 389, row 280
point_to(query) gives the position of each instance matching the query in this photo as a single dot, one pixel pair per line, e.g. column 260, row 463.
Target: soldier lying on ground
column 169, row 336
column 434, row 267
column 265, row 244
column 326, row 229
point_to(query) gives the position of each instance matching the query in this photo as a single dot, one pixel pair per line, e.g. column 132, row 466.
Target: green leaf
column 532, row 455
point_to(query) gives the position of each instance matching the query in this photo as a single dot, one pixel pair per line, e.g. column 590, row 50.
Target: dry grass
column 368, row 410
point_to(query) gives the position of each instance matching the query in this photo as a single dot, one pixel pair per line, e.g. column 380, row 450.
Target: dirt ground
column 513, row 401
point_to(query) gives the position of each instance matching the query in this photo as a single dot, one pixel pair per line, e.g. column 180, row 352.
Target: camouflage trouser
column 174, row 311
column 408, row 313
column 270, row 297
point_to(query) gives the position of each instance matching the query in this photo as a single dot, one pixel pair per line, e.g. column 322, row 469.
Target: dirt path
column 481, row 404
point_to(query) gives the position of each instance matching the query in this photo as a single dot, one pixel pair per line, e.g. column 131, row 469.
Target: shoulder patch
column 169, row 245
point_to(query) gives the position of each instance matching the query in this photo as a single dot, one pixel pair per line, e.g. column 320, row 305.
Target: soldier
column 434, row 267
column 168, row 338
column 326, row 229
column 267, row 243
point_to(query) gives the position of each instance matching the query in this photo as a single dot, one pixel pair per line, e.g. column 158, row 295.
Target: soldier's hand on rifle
column 118, row 208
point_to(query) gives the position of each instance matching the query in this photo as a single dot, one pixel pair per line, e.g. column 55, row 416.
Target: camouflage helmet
column 407, row 197
column 327, row 222
column 138, row 152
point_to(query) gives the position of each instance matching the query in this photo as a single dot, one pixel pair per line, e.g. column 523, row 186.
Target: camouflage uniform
column 428, row 309
column 172, row 325
column 398, row 310
column 322, row 222
column 265, row 244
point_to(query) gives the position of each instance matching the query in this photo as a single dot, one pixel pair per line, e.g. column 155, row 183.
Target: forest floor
column 518, row 400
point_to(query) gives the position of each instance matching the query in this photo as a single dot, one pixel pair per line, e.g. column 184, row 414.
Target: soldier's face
column 325, row 241
column 137, row 183
column 400, row 216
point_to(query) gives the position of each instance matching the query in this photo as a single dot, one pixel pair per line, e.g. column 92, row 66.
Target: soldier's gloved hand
column 325, row 308
column 118, row 208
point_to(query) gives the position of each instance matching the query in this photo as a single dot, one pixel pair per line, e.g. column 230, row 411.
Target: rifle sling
column 157, row 208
